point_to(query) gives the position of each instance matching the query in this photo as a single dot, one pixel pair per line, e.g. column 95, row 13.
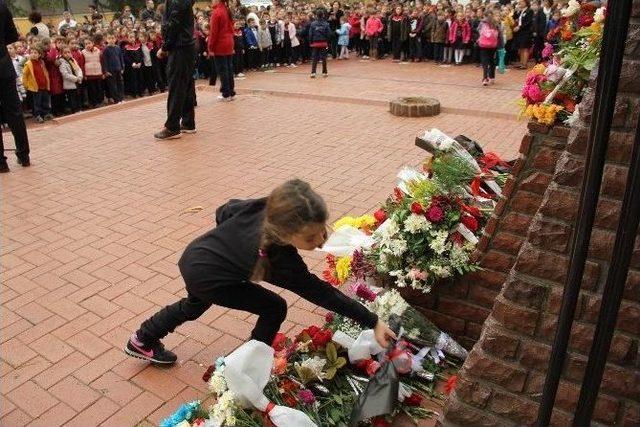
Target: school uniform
column 539, row 27
column 398, row 33
column 113, row 63
column 265, row 42
column 438, row 38
column 71, row 76
column 253, row 47
column 133, row 84
column 35, row 79
column 93, row 76
column 319, row 34
column 82, row 88
column 217, row 269
column 148, row 80
column 55, row 79
column 275, row 31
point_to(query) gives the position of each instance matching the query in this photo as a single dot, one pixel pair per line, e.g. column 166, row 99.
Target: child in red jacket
column 459, row 36
column 373, row 29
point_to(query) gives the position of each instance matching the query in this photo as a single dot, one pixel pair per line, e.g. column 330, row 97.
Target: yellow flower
column 343, row 268
column 364, row 222
column 539, row 69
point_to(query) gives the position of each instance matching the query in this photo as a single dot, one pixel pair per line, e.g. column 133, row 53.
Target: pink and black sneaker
column 155, row 352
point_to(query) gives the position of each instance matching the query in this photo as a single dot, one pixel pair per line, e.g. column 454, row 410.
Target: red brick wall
column 526, row 262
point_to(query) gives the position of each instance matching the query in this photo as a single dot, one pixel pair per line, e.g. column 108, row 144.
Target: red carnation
column 473, row 210
column 329, row 317
column 470, row 222
column 435, row 213
column 417, row 208
column 457, row 238
column 414, row 400
column 279, row 342
column 322, row 338
column 398, row 194
column 380, row 215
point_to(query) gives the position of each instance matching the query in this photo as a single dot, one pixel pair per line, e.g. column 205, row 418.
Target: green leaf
column 332, row 353
column 330, row 373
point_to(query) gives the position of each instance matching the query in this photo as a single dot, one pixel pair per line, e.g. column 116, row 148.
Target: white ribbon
column 466, row 233
column 247, row 371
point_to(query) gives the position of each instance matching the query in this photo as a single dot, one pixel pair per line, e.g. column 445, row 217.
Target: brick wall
column 527, row 260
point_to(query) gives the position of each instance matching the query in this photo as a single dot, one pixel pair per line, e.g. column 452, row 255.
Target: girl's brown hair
column 290, row 207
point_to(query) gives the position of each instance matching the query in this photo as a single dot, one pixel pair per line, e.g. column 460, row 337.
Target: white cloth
column 247, row 371
column 361, row 348
column 345, row 240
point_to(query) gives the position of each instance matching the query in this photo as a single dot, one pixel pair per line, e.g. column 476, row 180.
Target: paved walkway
column 92, row 231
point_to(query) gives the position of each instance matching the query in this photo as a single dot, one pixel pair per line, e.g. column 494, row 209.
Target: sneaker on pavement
column 155, row 352
column 240, row 74
column 185, row 129
column 313, row 75
column 166, row 134
column 485, row 82
column 25, row 162
column 325, row 75
column 224, row 99
column 39, row 119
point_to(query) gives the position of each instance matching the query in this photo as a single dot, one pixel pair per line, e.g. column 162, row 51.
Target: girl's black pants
column 203, row 291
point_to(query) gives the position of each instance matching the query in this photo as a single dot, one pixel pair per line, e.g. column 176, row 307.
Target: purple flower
column 364, row 292
column 306, row 397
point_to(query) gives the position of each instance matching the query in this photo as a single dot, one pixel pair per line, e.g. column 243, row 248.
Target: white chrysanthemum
column 599, row 15
column 439, row 242
column 230, row 420
column 572, row 8
column 441, row 271
column 398, row 247
column 217, row 383
column 315, row 364
column 391, row 302
column 399, row 275
column 458, row 257
column 416, row 223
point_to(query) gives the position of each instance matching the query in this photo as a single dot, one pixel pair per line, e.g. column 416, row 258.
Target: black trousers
column 149, row 79
column 94, row 91
column 438, row 52
column 11, row 112
column 224, row 69
column 73, row 99
column 115, row 86
column 396, row 48
column 213, row 76
column 488, row 59
column 203, row 291
column 318, row 54
column 182, row 92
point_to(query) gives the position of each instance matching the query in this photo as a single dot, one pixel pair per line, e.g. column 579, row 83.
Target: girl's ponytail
column 290, row 208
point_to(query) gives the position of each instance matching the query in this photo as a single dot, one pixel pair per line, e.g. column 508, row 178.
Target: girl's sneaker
column 313, row 75
column 39, row 119
column 294, row 66
column 485, row 82
column 155, row 352
column 240, row 75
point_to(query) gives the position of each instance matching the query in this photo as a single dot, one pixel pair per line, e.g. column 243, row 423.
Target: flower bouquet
column 314, row 379
column 552, row 90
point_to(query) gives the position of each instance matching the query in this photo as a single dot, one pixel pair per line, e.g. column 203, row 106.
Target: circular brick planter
column 414, row 107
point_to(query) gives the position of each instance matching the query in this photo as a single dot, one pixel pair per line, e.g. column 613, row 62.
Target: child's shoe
column 48, row 116
column 39, row 119
column 240, row 75
column 313, row 75
column 485, row 82
column 325, row 75
column 166, row 134
column 155, row 352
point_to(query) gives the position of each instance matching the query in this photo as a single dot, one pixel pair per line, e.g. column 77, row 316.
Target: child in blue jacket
column 343, row 38
column 251, row 41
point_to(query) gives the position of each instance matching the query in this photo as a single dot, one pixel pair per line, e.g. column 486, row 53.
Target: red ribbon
column 491, row 160
column 476, row 189
column 267, row 421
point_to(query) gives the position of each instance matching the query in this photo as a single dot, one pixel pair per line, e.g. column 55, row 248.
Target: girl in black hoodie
column 254, row 240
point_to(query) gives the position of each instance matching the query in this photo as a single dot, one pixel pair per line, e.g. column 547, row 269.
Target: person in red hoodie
column 76, row 54
column 51, row 60
column 354, row 32
column 459, row 36
column 220, row 46
column 373, row 29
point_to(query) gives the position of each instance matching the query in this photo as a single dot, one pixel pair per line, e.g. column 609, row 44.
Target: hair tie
column 262, row 253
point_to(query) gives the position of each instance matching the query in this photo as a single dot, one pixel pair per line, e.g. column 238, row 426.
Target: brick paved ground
column 92, row 232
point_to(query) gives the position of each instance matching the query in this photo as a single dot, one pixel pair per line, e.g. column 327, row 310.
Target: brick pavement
column 92, row 232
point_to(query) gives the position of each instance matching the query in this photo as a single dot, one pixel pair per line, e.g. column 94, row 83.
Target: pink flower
column 306, row 396
column 416, row 274
column 547, row 51
column 533, row 94
column 435, row 213
column 364, row 292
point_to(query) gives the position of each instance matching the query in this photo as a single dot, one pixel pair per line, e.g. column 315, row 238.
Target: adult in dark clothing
column 539, row 30
column 334, row 24
column 319, row 35
column 254, row 240
column 10, row 108
column 523, row 31
column 397, row 32
column 221, row 46
column 149, row 13
column 179, row 44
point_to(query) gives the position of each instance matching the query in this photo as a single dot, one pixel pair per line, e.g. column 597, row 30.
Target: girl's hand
column 383, row 333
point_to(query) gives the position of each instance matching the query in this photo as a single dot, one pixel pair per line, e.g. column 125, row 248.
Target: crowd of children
column 71, row 67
